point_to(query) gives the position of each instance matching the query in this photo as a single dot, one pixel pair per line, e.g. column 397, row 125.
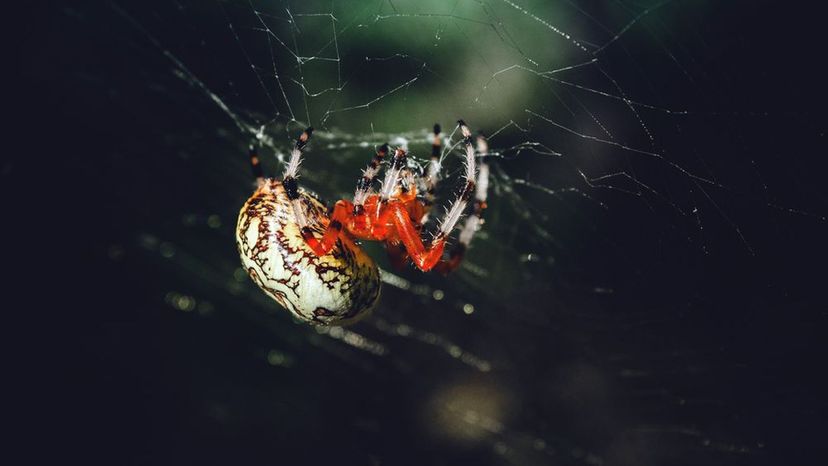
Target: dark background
column 708, row 349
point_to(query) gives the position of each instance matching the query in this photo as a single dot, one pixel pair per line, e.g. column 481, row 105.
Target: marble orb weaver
column 305, row 257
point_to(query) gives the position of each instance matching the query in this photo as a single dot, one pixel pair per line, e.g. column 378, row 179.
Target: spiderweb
column 611, row 136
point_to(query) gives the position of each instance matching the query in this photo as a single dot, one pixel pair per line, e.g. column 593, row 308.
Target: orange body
column 395, row 221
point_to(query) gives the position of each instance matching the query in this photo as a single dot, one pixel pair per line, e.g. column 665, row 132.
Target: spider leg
column 456, row 210
column 425, row 258
column 474, row 221
column 408, row 183
column 363, row 188
column 342, row 209
column 433, row 171
column 392, row 175
column 291, row 185
column 341, row 213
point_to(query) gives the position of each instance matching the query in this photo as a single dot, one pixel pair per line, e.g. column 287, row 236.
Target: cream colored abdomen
column 338, row 288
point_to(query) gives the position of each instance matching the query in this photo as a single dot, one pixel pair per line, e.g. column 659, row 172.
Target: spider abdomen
column 337, row 288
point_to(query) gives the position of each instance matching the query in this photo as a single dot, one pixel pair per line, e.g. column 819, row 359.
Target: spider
column 305, row 257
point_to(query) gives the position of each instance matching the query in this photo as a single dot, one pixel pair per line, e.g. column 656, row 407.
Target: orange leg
column 423, row 258
column 341, row 214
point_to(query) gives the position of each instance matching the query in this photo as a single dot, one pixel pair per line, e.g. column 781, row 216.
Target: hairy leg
column 291, row 185
column 426, row 257
column 473, row 221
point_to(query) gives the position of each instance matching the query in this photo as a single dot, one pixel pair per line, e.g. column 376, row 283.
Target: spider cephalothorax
column 307, row 260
